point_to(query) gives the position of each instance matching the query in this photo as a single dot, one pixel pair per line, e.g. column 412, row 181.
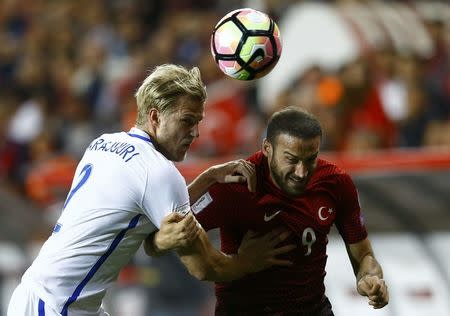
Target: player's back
column 101, row 226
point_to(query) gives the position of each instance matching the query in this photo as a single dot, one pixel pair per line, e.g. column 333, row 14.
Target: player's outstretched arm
column 256, row 253
column 176, row 231
column 236, row 171
column 369, row 275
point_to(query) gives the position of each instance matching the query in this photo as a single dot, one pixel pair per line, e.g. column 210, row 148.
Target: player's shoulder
column 327, row 171
column 135, row 148
column 327, row 167
column 232, row 188
column 113, row 145
column 257, row 158
column 328, row 176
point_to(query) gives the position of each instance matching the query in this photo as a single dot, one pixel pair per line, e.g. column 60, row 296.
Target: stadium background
column 376, row 73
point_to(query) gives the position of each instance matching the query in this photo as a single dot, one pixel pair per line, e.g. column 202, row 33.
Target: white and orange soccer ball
column 246, row 44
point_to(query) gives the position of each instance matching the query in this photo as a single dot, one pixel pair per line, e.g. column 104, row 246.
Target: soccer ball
column 246, row 44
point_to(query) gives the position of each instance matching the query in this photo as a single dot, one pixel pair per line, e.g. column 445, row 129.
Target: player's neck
column 147, row 131
column 154, row 141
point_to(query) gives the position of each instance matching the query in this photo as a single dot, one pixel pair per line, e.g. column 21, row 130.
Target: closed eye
column 291, row 160
column 188, row 122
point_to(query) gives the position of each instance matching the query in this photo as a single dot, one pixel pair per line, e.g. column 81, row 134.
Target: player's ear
column 153, row 117
column 266, row 148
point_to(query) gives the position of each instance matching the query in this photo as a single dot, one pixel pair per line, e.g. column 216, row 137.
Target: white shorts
column 24, row 302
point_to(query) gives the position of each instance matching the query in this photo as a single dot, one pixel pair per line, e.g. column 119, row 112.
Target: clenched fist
column 375, row 289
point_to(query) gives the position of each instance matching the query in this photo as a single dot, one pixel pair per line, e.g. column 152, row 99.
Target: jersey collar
column 138, row 133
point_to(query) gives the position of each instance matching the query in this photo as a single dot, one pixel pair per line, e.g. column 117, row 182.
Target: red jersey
column 330, row 198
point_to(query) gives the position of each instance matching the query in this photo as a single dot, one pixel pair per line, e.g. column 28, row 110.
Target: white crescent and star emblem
column 323, row 218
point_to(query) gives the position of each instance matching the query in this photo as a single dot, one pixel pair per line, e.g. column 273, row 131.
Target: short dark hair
column 295, row 122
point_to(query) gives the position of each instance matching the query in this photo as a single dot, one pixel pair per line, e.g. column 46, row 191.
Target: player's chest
column 317, row 210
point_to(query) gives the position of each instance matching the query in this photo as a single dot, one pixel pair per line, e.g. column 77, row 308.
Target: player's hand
column 260, row 251
column 176, row 231
column 375, row 289
column 236, row 171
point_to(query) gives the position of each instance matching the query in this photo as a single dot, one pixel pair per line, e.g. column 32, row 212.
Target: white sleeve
column 165, row 192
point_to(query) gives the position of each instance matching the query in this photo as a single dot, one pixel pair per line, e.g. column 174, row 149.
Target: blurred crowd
column 378, row 102
column 69, row 69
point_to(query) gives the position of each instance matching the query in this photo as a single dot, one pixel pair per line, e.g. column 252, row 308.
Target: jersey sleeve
column 165, row 192
column 349, row 221
column 212, row 209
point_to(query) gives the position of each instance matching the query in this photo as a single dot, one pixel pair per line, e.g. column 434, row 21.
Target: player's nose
column 195, row 131
column 300, row 170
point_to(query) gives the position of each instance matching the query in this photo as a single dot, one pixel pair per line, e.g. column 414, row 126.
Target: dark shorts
column 324, row 309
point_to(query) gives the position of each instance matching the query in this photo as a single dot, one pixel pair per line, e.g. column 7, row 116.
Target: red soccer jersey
column 330, row 198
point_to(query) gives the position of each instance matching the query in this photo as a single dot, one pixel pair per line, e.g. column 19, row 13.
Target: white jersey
column 122, row 189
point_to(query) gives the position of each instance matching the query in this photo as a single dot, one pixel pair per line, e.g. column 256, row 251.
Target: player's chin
column 294, row 190
column 296, row 187
column 180, row 155
column 377, row 305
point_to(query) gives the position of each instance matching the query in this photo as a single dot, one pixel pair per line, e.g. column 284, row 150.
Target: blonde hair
column 162, row 88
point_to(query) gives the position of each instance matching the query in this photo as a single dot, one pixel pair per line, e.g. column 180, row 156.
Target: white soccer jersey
column 122, row 189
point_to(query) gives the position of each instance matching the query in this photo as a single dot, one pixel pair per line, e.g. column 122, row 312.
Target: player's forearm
column 208, row 264
column 200, row 185
column 227, row 268
column 363, row 259
column 221, row 268
column 368, row 266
